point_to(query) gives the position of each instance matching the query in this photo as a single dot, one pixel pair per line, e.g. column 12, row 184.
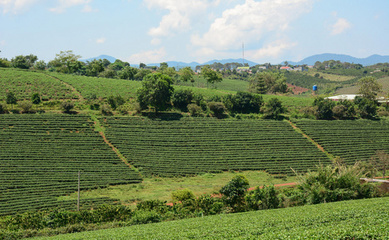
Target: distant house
column 349, row 97
column 286, row 68
column 262, row 68
column 301, row 69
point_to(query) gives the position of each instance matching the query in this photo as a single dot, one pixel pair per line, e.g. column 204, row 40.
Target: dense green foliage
column 268, row 82
column 350, row 140
column 243, row 102
column 192, row 146
column 362, row 219
column 156, row 92
column 273, row 109
column 41, row 155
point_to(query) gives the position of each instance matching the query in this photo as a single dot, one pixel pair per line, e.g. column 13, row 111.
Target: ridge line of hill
column 321, row 148
column 68, row 85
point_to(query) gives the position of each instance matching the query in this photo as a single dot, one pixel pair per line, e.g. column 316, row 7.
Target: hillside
column 360, row 219
column 40, row 158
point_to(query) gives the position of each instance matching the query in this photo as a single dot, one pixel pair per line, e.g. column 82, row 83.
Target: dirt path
column 113, row 147
column 80, row 97
column 310, row 139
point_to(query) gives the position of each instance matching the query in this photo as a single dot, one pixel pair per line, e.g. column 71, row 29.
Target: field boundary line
column 321, row 148
column 68, row 85
column 99, row 128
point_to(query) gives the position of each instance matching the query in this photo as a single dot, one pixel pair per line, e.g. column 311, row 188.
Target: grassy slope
column 161, row 188
column 361, row 219
column 355, row 88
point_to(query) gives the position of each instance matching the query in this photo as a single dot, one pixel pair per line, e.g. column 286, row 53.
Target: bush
column 153, row 205
column 265, row 198
column 94, row 106
column 115, row 101
column 11, row 98
column 243, row 102
column 273, row 109
column 67, row 106
column 181, row 99
column 217, row 109
column 3, row 108
column 323, row 108
column 209, row 205
column 106, row 110
column 182, row 195
column 36, row 99
column 235, row 191
column 110, row 213
column 194, row 110
column 26, row 106
column 144, row 217
column 344, row 110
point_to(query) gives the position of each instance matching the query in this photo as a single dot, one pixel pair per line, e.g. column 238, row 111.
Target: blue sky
column 153, row 31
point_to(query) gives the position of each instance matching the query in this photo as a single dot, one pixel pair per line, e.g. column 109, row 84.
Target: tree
column 186, row 74
column 11, row 98
column 369, row 88
column 163, row 66
column 156, row 91
column 217, row 109
column 264, row 82
column 243, row 102
column 40, row 65
column 35, row 98
column 234, row 192
column 115, row 101
column 20, row 62
column 381, row 161
column 94, row 68
column 273, row 109
column 142, row 65
column 181, row 99
column 323, row 108
column 366, row 108
column 66, row 62
column 210, row 75
column 344, row 110
column 67, row 106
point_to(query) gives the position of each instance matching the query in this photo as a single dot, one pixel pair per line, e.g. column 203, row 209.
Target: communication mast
column 243, row 52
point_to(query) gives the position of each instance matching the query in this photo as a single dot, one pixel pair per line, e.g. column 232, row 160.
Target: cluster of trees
column 332, row 64
column 157, row 92
column 363, row 106
column 268, row 82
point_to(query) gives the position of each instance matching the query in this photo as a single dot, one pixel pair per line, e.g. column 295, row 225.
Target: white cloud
column 153, row 56
column 100, row 40
column 15, row 6
column 180, row 14
column 65, row 4
column 272, row 50
column 340, row 26
column 251, row 22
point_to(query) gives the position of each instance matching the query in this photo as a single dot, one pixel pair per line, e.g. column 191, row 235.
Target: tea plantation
column 192, row 146
column 24, row 83
column 351, row 140
column 40, row 158
column 360, row 219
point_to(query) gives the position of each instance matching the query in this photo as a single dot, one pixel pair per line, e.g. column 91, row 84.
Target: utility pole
column 78, row 195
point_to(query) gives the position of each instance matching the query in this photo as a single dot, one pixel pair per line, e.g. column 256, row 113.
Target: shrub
column 209, row 205
column 36, row 99
column 235, row 191
column 3, row 108
column 265, row 198
column 67, row 106
column 217, row 109
column 115, row 101
column 181, row 99
column 273, row 109
column 194, row 110
column 26, row 106
column 106, row 110
column 243, row 102
column 109, row 213
column 344, row 110
column 153, row 205
column 323, row 108
column 11, row 98
column 143, row 217
column 182, row 195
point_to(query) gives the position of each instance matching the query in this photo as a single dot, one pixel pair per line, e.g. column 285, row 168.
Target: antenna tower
column 243, row 52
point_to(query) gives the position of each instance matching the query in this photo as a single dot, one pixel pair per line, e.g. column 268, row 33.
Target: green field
column 40, row 158
column 360, row 219
column 351, row 140
column 193, row 146
column 24, row 83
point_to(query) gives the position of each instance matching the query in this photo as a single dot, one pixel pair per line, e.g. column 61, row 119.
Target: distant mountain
column 109, row 58
column 194, row 64
column 373, row 59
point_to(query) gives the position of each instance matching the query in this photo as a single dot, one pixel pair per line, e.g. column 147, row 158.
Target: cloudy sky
column 153, row 31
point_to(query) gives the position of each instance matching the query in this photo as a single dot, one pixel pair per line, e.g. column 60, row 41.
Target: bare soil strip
column 310, row 139
column 69, row 86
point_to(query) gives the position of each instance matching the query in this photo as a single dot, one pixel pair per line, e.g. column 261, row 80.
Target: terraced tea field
column 40, row 158
column 24, row 83
column 360, row 219
column 350, row 140
column 192, row 146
